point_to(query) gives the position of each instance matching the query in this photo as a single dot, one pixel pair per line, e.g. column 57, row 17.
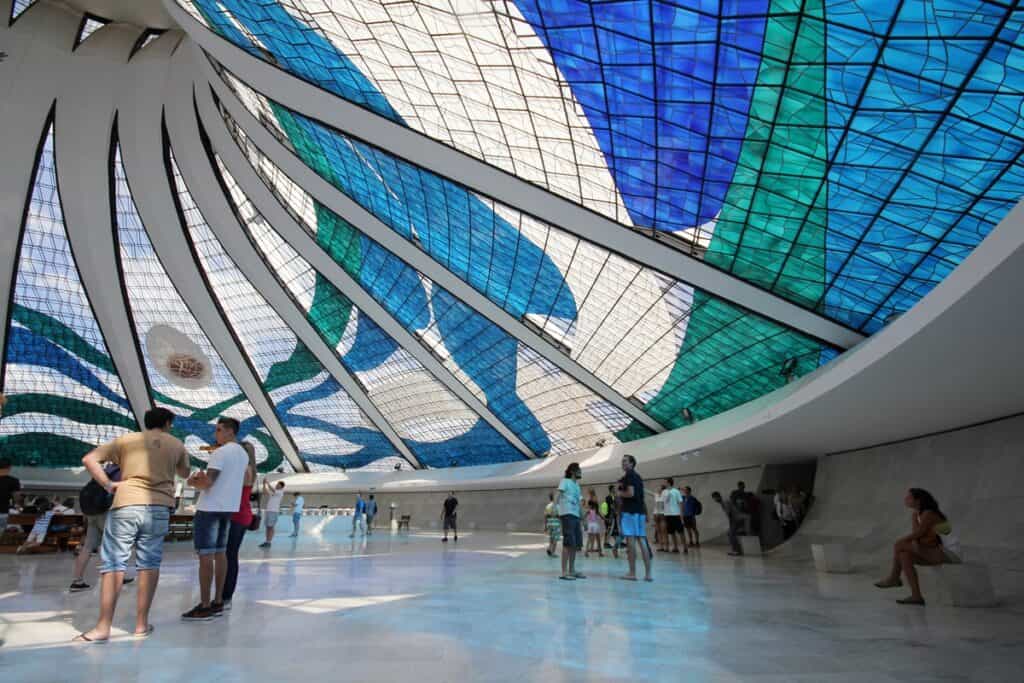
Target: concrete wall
column 523, row 509
column 976, row 474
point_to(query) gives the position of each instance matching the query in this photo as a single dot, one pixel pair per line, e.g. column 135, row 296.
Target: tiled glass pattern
column 326, row 426
column 19, row 6
column 548, row 410
column 434, row 423
column 647, row 336
column 64, row 396
column 844, row 155
column 153, row 300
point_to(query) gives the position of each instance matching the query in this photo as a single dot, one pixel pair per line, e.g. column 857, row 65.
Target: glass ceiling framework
column 322, row 420
column 654, row 339
column 548, row 410
column 154, row 301
column 64, row 393
column 433, row 422
column 843, row 155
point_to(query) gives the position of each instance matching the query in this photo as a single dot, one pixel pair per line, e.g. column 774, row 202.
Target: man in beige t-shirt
column 140, row 515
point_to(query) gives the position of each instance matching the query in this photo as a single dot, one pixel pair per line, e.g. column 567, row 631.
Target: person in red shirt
column 240, row 522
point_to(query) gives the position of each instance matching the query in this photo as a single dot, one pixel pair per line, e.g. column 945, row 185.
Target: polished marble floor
column 324, row 608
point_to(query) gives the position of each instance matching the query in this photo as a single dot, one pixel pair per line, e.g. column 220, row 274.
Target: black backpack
column 93, row 499
column 698, row 509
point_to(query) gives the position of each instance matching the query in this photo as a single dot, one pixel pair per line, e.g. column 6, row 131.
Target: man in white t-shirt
column 674, row 516
column 275, row 494
column 297, row 507
column 220, row 497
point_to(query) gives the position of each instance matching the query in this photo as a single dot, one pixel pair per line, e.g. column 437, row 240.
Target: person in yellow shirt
column 139, row 516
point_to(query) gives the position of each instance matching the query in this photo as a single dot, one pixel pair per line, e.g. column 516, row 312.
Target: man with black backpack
column 94, row 502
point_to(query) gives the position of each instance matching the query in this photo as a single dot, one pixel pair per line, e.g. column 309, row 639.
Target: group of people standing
column 625, row 518
column 138, row 471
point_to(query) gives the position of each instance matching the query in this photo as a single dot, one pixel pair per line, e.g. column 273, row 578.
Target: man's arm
column 96, row 471
column 203, row 480
column 183, row 469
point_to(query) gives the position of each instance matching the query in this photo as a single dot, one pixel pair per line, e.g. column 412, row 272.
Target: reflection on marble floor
column 490, row 609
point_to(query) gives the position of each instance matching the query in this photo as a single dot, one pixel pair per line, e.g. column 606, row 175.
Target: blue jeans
column 235, row 536
column 296, row 521
column 141, row 526
column 210, row 532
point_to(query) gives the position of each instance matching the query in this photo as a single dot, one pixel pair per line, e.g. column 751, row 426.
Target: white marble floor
column 490, row 609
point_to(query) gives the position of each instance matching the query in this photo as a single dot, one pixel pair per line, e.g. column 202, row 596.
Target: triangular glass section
column 432, row 421
column 64, row 395
column 90, row 24
column 147, row 37
column 326, row 425
column 19, row 7
column 198, row 388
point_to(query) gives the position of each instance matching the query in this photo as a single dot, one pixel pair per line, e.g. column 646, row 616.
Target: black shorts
column 449, row 522
column 689, row 521
column 572, row 532
column 673, row 524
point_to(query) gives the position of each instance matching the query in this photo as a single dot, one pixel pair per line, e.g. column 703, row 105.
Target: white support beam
column 140, row 106
column 355, row 214
column 25, row 101
column 82, row 135
column 502, row 186
column 299, row 239
column 206, row 191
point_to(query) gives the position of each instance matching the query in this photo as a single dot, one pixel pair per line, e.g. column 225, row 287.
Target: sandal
column 888, row 584
column 567, row 578
column 82, row 638
column 628, row 578
column 142, row 635
column 911, row 600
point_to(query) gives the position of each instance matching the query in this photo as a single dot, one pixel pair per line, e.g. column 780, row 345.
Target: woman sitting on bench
column 921, row 546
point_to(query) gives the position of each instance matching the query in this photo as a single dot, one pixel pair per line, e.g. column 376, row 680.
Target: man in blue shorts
column 634, row 518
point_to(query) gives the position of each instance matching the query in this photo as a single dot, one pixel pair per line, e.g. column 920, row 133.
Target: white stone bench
column 959, row 585
column 831, row 558
column 751, row 545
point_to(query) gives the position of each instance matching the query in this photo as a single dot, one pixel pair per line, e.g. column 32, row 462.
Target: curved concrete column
column 140, row 106
column 300, row 240
column 206, row 190
column 351, row 211
column 503, row 186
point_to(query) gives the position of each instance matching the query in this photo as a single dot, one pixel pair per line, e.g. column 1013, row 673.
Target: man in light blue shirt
column 297, row 506
column 357, row 515
column 569, row 513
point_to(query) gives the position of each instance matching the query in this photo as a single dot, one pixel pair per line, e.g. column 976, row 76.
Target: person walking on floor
column 734, row 520
column 140, row 515
column 634, row 518
column 221, row 490
column 569, row 514
column 275, row 494
column 371, row 512
column 240, row 523
column 674, row 516
column 692, row 508
column 448, row 515
column 94, row 502
column 357, row 515
column 298, row 504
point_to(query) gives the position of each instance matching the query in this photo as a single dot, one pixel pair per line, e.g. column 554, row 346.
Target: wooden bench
column 69, row 537
column 404, row 520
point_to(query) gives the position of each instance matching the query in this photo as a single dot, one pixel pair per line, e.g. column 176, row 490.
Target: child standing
column 552, row 524
column 595, row 530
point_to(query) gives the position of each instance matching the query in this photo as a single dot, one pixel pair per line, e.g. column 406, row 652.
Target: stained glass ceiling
column 843, row 156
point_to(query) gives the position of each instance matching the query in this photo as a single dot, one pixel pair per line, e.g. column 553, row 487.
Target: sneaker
column 77, row 586
column 198, row 613
column 444, row 540
column 265, row 544
column 128, row 579
column 217, row 609
column 227, row 605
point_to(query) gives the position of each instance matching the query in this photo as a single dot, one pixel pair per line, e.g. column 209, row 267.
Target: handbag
column 257, row 518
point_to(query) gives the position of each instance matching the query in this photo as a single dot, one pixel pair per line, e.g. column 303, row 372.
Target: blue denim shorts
column 633, row 524
column 141, row 526
column 210, row 532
